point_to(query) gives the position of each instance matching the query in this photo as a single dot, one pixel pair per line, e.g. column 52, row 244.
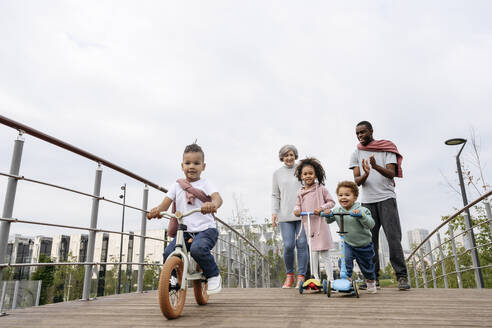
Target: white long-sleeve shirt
column 284, row 193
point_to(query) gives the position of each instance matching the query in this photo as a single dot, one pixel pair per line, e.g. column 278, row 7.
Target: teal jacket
column 358, row 229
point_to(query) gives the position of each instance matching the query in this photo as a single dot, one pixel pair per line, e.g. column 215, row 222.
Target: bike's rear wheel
column 200, row 289
column 171, row 296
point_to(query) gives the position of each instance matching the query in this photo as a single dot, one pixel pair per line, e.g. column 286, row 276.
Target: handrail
column 62, row 144
column 244, row 255
column 447, row 221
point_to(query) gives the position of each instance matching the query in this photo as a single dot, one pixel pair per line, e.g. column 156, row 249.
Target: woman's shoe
column 300, row 280
column 289, row 280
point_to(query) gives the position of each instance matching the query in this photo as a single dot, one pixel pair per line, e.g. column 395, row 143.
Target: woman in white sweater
column 284, row 192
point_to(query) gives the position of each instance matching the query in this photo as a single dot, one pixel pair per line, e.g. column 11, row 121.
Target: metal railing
column 444, row 263
column 236, row 250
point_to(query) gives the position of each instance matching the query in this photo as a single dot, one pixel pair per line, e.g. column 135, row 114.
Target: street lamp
column 468, row 221
column 123, row 187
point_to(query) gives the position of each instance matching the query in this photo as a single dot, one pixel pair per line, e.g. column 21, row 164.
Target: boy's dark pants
column 385, row 214
column 203, row 242
column 364, row 256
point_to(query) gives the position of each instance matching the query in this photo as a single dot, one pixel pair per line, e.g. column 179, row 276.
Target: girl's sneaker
column 371, row 287
column 289, row 280
column 300, row 280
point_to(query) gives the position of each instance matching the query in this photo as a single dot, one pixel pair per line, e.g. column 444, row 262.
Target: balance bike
column 177, row 270
column 343, row 284
column 312, row 283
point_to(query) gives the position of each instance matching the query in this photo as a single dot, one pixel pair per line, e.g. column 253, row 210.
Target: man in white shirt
column 375, row 164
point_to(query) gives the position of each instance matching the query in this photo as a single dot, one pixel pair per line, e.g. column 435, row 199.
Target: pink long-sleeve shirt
column 308, row 200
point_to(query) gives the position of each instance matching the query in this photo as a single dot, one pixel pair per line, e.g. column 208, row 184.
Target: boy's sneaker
column 214, row 285
column 364, row 285
column 371, row 287
column 403, row 283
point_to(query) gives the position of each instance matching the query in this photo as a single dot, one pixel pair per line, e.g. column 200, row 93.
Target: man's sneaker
column 214, row 285
column 289, row 281
column 403, row 283
column 371, row 287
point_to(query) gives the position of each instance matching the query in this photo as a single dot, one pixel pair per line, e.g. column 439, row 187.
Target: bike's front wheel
column 171, row 296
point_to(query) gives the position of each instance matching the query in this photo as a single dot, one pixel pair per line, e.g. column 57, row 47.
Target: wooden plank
column 272, row 308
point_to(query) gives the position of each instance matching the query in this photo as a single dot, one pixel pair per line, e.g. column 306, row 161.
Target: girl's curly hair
column 318, row 169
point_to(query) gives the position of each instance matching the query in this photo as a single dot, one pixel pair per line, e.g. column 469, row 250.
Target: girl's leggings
column 322, row 257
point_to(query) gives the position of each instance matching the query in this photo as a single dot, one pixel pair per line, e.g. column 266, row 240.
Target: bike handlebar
column 178, row 214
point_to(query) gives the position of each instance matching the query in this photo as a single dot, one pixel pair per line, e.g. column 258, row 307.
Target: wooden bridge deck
column 271, row 308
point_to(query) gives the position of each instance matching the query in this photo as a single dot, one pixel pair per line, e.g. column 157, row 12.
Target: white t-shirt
column 377, row 187
column 196, row 222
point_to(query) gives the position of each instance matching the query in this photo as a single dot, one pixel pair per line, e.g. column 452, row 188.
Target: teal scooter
column 343, row 285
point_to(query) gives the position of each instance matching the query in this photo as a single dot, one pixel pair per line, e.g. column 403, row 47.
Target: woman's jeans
column 289, row 231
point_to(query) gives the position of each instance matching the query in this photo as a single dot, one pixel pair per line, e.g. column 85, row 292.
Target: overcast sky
column 135, row 82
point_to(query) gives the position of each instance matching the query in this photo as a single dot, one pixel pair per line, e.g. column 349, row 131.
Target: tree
column 46, row 275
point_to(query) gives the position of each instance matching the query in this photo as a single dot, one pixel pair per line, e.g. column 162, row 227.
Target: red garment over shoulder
column 387, row 146
column 191, row 194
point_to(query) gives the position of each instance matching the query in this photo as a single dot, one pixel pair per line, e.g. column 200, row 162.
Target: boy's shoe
column 214, row 285
column 300, row 280
column 289, row 281
column 371, row 287
column 403, row 283
column 364, row 285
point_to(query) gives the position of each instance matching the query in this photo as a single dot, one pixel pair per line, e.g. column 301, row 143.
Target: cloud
column 135, row 83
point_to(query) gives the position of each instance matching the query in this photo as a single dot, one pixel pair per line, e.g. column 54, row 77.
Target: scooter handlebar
column 307, row 213
column 351, row 213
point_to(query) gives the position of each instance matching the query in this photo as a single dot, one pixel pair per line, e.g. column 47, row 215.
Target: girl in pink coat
column 314, row 197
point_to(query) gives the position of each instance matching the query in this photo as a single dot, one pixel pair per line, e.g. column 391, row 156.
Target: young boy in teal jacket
column 358, row 240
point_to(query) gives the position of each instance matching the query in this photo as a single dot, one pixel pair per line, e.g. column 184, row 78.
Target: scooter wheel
column 356, row 289
column 328, row 289
column 325, row 286
column 300, row 287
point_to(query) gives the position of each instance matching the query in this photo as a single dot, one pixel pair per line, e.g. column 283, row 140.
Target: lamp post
column 121, row 239
column 468, row 221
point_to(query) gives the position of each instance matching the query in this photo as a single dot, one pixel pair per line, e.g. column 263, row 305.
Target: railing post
column 262, row 272
column 486, row 204
column 240, row 261
column 246, row 269
column 443, row 264
column 86, row 294
column 143, row 232
column 2, row 298
column 268, row 275
column 38, row 295
column 256, row 270
column 473, row 250
column 229, row 259
column 415, row 272
column 455, row 257
column 16, row 293
column 8, row 205
column 424, row 273
column 433, row 270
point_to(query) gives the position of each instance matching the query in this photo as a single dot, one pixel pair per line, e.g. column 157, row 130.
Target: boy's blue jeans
column 203, row 242
column 289, row 231
column 364, row 256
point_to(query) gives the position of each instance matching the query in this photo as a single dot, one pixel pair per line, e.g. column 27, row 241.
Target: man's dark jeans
column 364, row 256
column 385, row 214
column 203, row 242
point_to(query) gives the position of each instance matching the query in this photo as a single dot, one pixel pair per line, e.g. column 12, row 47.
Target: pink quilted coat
column 308, row 200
